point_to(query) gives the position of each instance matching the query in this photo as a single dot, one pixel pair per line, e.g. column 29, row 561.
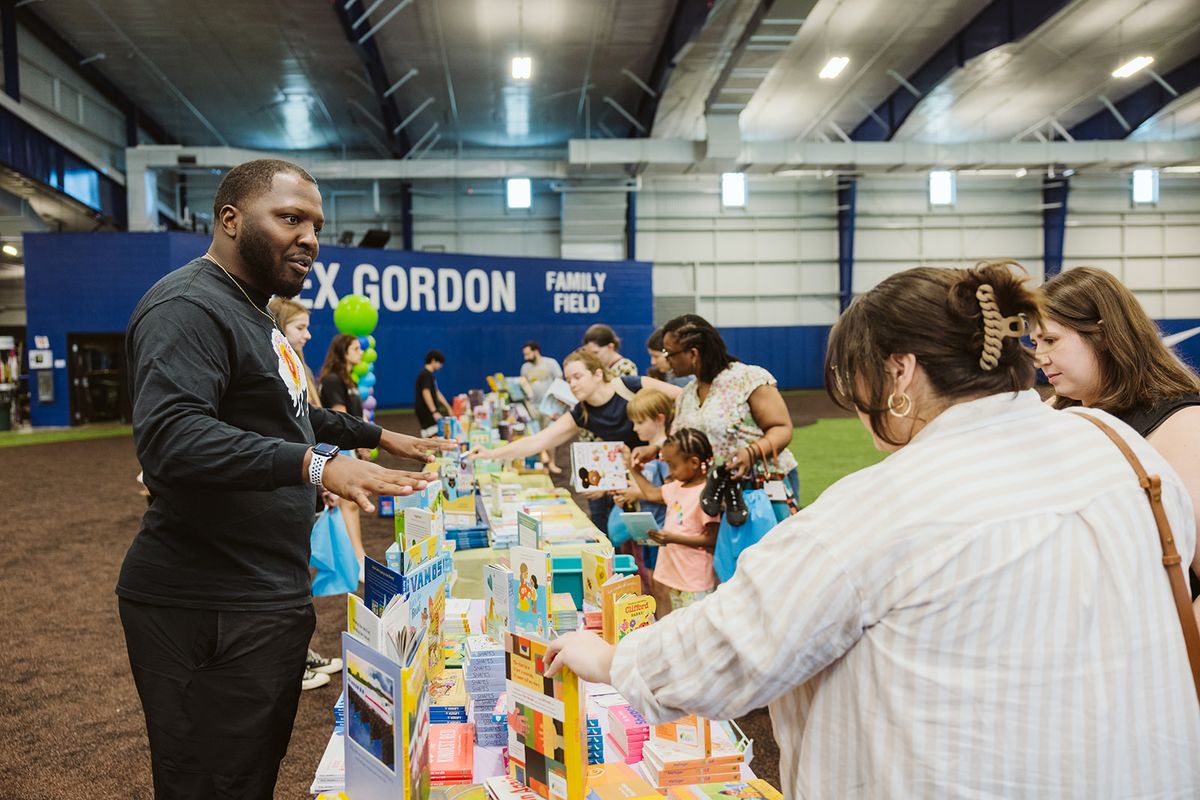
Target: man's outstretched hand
column 423, row 450
column 357, row 480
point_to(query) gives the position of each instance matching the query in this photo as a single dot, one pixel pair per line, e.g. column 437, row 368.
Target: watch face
column 327, row 450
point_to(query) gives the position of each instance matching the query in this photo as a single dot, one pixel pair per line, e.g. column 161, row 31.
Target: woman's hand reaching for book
column 584, row 653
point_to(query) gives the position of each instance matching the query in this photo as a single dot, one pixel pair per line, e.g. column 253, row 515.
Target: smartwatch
column 321, row 454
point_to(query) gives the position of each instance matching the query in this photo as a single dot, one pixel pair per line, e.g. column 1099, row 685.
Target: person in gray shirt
column 538, row 373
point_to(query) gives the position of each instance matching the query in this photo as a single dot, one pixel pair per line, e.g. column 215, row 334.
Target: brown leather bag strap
column 1152, row 485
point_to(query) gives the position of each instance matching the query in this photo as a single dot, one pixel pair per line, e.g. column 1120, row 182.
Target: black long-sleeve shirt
column 222, row 424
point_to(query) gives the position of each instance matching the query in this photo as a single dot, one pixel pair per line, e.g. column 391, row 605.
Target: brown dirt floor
column 75, row 726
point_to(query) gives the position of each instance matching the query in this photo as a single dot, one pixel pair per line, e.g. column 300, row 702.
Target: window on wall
column 1145, row 186
column 942, row 188
column 733, row 190
column 518, row 193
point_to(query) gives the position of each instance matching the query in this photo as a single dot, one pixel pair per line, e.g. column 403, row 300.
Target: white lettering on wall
column 576, row 292
column 445, row 290
column 367, row 290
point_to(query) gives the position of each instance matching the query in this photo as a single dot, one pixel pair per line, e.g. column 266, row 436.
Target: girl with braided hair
column 984, row 613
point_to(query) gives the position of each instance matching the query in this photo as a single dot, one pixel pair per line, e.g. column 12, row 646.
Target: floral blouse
column 725, row 414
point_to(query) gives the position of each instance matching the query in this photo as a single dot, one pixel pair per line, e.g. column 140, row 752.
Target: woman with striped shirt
column 982, row 614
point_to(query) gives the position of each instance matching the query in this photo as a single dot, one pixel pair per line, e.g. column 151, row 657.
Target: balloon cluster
column 356, row 316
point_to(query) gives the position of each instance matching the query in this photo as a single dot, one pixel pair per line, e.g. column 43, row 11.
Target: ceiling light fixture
column 833, row 68
column 9, row 250
column 522, row 68
column 1132, row 66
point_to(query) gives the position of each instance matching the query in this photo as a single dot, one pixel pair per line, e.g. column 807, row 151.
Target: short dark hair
column 532, row 345
column 695, row 331
column 935, row 314
column 692, row 442
column 252, row 178
column 435, row 355
column 655, row 341
column 602, row 336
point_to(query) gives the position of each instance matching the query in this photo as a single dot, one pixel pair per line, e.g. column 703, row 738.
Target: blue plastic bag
column 733, row 539
column 332, row 556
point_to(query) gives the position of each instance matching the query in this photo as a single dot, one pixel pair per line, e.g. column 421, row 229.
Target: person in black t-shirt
column 428, row 401
column 1099, row 348
column 339, row 392
column 600, row 412
column 214, row 592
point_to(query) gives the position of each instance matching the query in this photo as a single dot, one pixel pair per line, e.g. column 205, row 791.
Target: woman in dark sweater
column 339, row 392
column 1099, row 348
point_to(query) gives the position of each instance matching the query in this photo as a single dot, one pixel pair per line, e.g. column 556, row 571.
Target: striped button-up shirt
column 982, row 614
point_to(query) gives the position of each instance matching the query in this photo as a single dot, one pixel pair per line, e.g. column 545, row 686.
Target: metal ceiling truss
column 1001, row 22
column 686, row 22
column 1124, row 116
column 355, row 22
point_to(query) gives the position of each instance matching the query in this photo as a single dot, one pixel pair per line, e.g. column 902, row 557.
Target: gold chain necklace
column 274, row 323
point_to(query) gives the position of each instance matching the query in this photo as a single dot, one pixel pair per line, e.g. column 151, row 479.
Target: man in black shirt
column 214, row 592
column 428, row 401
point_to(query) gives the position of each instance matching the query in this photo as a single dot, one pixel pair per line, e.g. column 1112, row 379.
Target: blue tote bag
column 332, row 556
column 733, row 539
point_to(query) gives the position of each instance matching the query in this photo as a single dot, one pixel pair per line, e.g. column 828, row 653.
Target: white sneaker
column 318, row 663
column 313, row 680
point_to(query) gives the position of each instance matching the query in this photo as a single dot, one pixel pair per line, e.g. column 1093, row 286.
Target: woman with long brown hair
column 339, row 392
column 1099, row 348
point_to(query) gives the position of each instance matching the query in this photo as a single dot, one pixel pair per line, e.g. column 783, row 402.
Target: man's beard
column 531, row 360
column 261, row 262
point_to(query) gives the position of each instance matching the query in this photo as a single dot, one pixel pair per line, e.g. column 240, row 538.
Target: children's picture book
column 749, row 790
column 387, row 725
column 426, row 592
column 505, row 787
column 630, row 612
column 497, row 580
column 547, row 746
column 558, row 399
column 640, row 523
column 617, row 781
column 690, row 731
column 598, row 466
column 529, row 531
column 451, row 753
column 616, row 586
column 530, row 592
column 596, row 561
column 380, row 585
column 472, row 791
column 389, row 633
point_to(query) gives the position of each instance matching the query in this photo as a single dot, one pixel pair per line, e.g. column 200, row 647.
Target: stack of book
column 629, row 731
column 483, row 674
column 456, row 622
column 693, row 753
column 593, row 618
column 505, row 788
column 448, row 698
column 563, row 614
column 470, row 538
column 451, row 754
column 595, row 741
column 503, row 535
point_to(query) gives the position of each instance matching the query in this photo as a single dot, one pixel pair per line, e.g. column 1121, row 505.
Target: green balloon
column 371, row 342
column 369, row 355
column 359, row 369
column 355, row 315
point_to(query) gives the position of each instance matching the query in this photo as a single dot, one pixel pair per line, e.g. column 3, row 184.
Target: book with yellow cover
column 631, row 612
column 617, row 586
column 747, row 790
column 596, row 561
column 617, row 781
column 547, row 723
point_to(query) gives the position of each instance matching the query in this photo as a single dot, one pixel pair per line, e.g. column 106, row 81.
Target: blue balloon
column 367, row 380
column 364, row 342
column 370, row 367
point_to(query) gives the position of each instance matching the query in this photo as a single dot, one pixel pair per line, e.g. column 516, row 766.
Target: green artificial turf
column 829, row 450
column 104, row 431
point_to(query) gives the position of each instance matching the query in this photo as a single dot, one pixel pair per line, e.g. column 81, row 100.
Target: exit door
column 96, row 372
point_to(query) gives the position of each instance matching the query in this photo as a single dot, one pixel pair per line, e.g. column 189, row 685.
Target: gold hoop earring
column 901, row 409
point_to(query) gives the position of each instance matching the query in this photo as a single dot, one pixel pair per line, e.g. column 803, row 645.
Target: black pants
column 219, row 690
